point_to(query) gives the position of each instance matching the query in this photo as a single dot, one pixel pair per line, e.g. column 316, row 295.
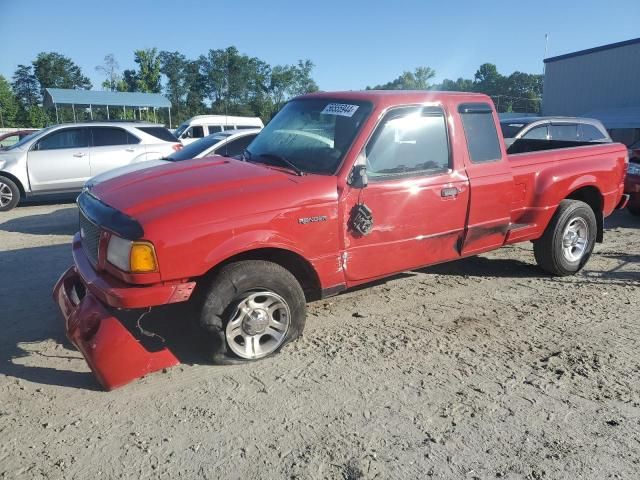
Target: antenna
column 226, row 79
column 546, row 46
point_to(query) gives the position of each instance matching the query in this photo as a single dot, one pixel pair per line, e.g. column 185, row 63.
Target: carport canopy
column 65, row 96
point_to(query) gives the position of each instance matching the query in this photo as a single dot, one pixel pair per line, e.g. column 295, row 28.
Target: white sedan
column 229, row 143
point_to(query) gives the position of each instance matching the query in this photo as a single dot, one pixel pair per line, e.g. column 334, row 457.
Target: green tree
column 459, row 85
column 128, row 82
column 416, row 80
column 148, row 75
column 36, row 117
column 172, row 66
column 111, row 70
column 25, row 86
column 487, row 80
column 196, row 87
column 302, row 80
column 54, row 70
column 8, row 104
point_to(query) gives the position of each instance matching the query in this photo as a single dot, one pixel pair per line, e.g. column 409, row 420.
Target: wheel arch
column 295, row 263
column 591, row 195
column 15, row 180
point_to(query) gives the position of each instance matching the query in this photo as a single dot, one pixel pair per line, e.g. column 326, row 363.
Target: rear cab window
column 480, row 132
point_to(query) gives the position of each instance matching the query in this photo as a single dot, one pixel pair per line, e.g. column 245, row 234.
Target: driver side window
column 67, row 138
column 409, row 141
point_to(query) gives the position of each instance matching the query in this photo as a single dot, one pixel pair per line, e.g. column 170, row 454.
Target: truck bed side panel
column 543, row 179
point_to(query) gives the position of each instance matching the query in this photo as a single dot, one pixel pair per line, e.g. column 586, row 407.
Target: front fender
column 247, row 242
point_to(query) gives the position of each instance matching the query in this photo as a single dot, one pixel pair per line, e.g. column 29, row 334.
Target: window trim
column 227, row 141
column 415, row 173
column 35, row 147
column 535, row 126
column 485, row 109
column 568, row 123
column 581, row 125
column 126, row 136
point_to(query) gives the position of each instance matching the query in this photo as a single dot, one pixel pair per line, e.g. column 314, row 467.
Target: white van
column 204, row 125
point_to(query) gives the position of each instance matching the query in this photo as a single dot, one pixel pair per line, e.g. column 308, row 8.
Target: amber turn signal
column 143, row 258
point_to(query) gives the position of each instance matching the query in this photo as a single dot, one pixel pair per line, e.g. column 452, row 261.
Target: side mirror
column 358, row 177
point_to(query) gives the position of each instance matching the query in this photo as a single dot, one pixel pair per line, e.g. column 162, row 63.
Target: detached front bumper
column 116, row 293
column 114, row 355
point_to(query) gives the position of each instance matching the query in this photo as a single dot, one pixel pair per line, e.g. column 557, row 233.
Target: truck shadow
column 63, row 221
column 621, row 219
column 486, row 267
column 31, row 319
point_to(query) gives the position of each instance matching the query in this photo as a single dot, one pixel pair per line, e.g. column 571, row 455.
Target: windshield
column 511, row 129
column 27, row 139
column 313, row 134
column 180, row 130
column 196, row 148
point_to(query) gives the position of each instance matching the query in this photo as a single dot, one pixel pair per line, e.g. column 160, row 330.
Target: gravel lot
column 483, row 368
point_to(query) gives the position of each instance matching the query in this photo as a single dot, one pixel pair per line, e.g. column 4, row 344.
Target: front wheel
column 251, row 310
column 9, row 194
column 568, row 241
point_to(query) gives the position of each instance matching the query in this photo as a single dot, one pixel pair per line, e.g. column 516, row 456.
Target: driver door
column 60, row 161
column 418, row 200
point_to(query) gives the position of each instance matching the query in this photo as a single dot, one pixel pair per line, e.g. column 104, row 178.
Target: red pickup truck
column 339, row 189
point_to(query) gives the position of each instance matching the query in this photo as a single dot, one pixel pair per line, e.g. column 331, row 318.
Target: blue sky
column 352, row 43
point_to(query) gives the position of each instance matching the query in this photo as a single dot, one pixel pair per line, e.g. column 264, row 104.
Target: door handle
column 129, row 150
column 449, row 192
column 79, row 155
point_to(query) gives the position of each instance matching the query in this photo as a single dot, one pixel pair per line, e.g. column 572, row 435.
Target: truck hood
column 116, row 172
column 213, row 187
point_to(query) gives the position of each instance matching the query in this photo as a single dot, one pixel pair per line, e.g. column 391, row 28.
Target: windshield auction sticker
column 342, row 109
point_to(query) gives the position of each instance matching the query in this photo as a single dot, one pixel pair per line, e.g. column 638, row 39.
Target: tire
column 634, row 210
column 9, row 194
column 251, row 309
column 568, row 240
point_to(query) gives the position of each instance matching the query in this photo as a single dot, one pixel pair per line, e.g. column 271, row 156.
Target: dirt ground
column 483, row 368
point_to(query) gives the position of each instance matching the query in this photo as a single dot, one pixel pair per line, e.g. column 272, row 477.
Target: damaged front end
column 113, row 353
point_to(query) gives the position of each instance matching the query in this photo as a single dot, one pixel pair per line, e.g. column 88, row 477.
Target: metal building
column 601, row 82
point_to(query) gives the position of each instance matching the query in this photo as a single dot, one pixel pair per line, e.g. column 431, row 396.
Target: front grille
column 90, row 234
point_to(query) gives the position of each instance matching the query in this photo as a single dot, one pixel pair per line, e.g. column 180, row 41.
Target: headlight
column 132, row 256
column 633, row 168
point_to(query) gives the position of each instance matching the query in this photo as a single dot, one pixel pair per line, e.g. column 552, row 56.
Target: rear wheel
column 9, row 194
column 568, row 241
column 251, row 310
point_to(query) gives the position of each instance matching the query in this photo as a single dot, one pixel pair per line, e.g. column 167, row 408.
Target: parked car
column 338, row 190
column 634, row 151
column 571, row 129
column 632, row 185
column 11, row 138
column 229, row 143
column 202, row 125
column 62, row 158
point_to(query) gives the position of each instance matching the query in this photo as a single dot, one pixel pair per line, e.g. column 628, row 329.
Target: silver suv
column 570, row 129
column 61, row 158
